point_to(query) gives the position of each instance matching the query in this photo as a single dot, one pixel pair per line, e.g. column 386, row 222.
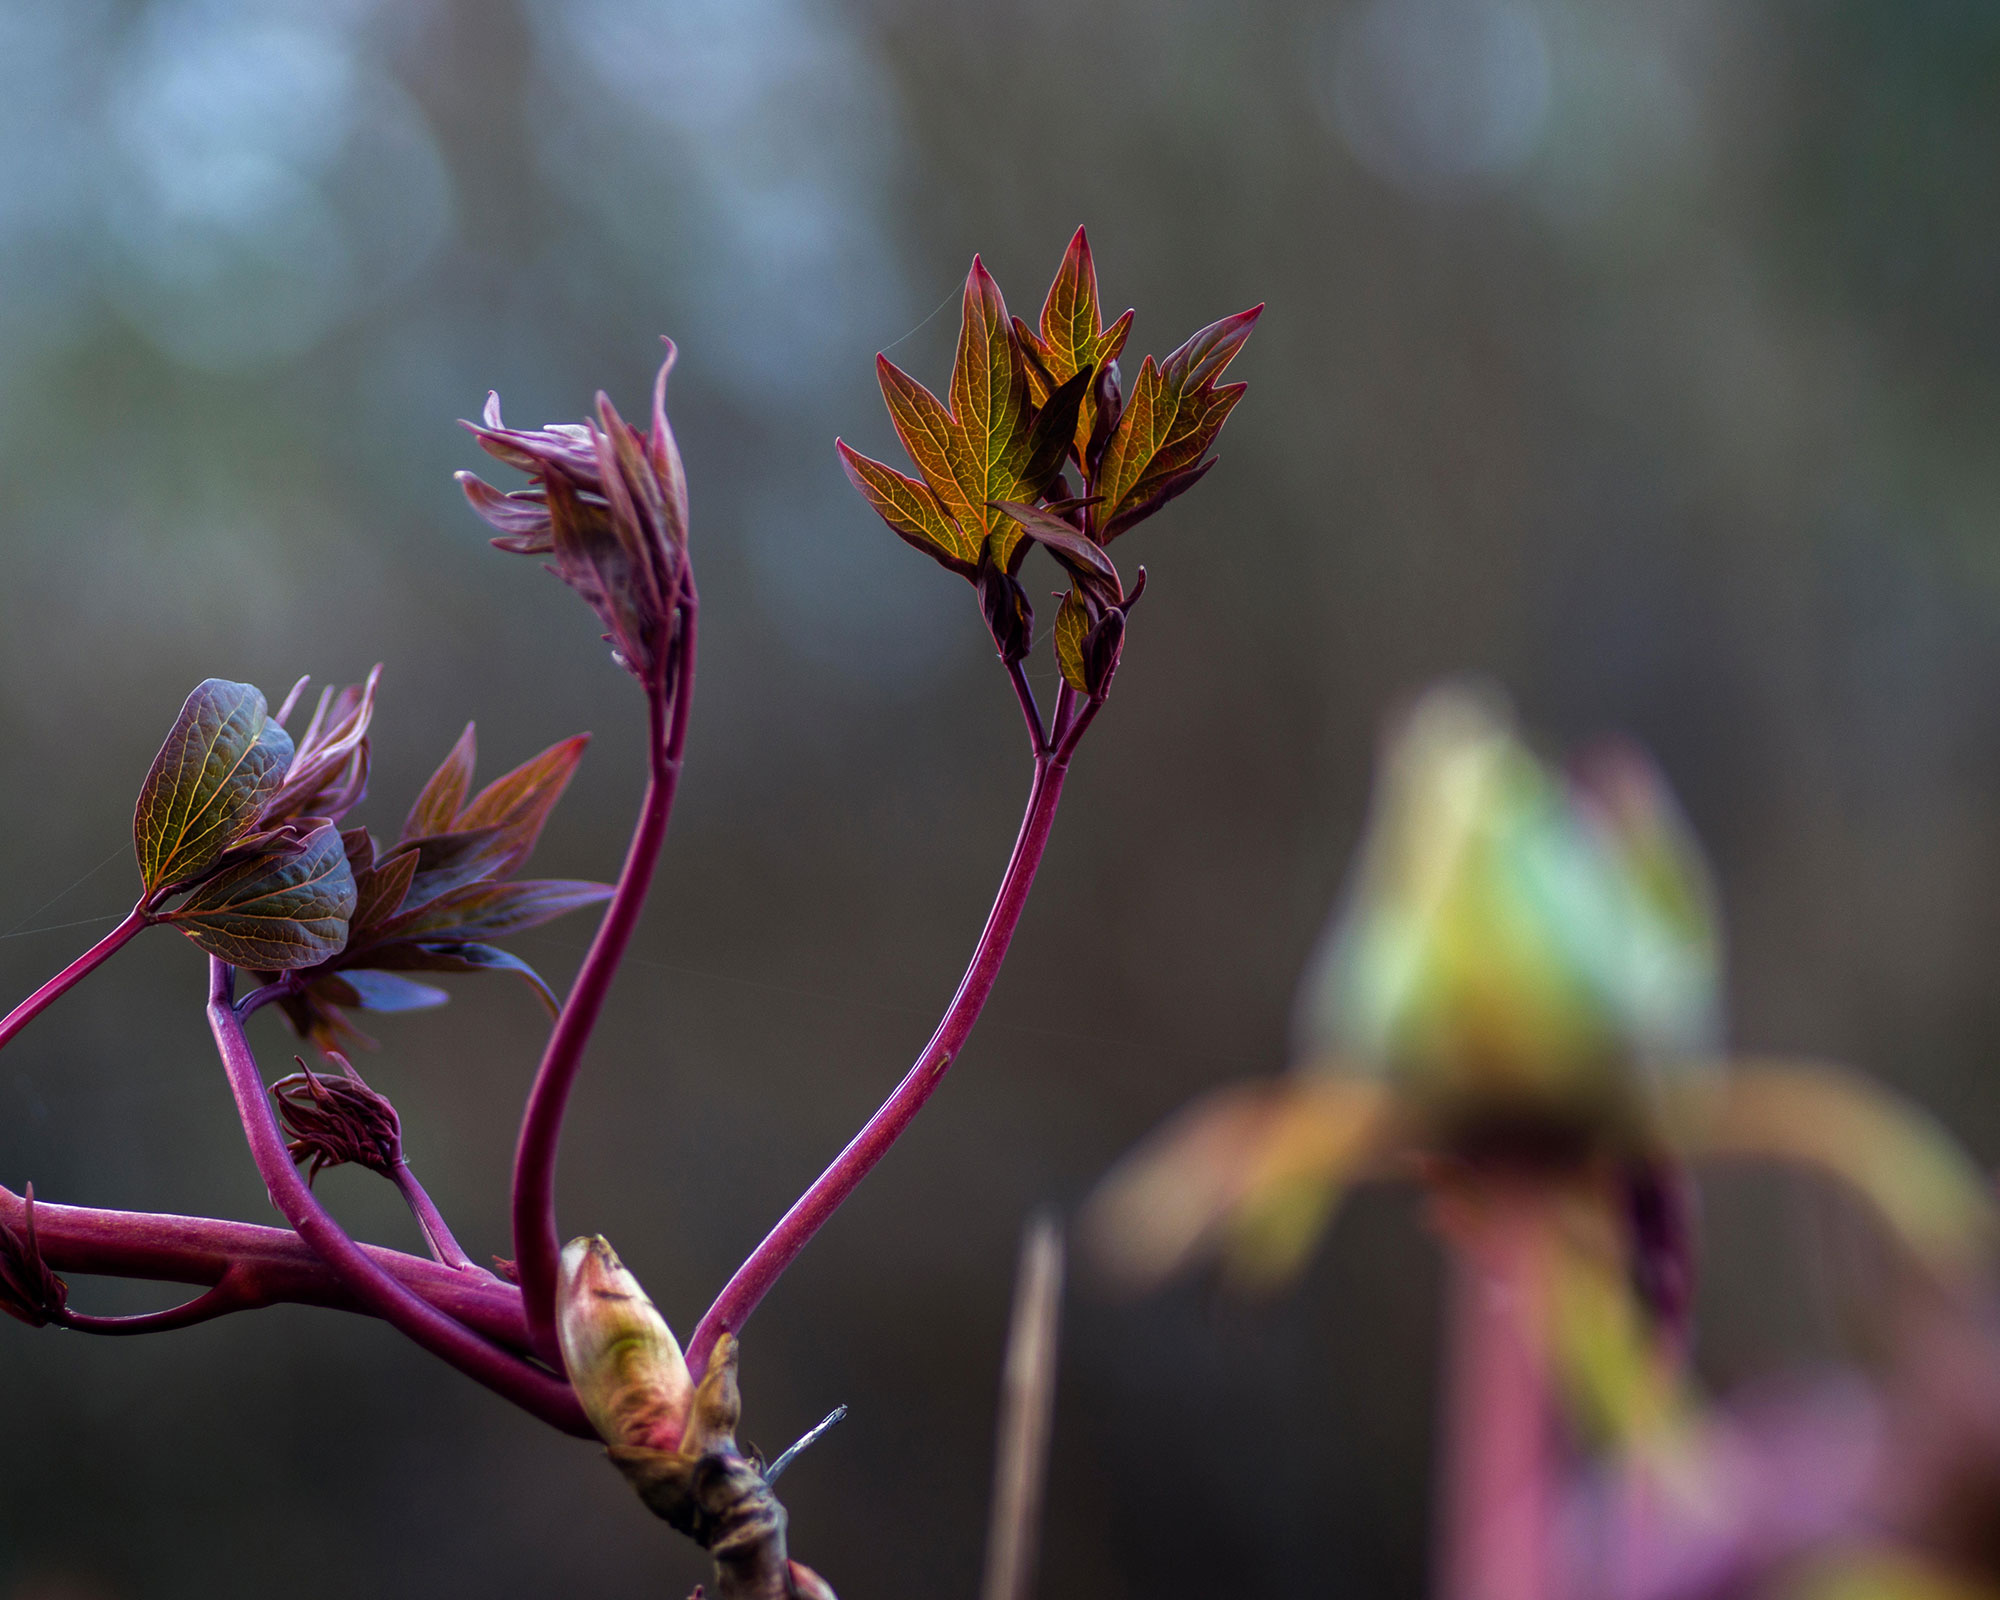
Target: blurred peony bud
column 622, row 1358
column 1509, row 949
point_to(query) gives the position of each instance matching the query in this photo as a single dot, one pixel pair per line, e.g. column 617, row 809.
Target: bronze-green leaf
column 223, row 760
column 1083, row 559
column 1071, row 339
column 913, row 510
column 519, row 802
column 1072, row 628
column 989, row 402
column 483, row 911
column 1172, row 418
column 274, row 912
column 439, row 804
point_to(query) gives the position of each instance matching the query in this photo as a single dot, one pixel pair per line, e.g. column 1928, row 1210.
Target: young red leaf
column 469, row 958
column 1174, row 414
column 913, row 511
column 1072, row 628
column 360, row 848
column 1077, row 553
column 328, row 775
column 276, row 912
column 1072, row 337
column 206, row 791
column 482, row 911
column 385, row 992
column 443, row 797
column 448, row 861
column 521, row 517
column 612, row 510
column 519, row 802
column 379, row 892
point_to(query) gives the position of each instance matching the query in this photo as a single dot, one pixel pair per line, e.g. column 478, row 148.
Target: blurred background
column 1641, row 354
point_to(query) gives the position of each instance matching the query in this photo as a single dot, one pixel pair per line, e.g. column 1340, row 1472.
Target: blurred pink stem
column 73, row 974
column 1500, row 1464
column 809, row 1213
column 537, row 1244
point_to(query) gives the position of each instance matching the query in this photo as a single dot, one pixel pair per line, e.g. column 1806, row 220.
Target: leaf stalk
column 810, row 1212
column 73, row 974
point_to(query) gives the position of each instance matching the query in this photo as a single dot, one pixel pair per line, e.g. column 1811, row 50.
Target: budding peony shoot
column 621, row 1356
column 1512, row 947
column 610, row 504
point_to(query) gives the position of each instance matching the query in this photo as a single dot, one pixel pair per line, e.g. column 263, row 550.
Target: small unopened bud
column 1008, row 614
column 1102, row 647
column 622, row 1358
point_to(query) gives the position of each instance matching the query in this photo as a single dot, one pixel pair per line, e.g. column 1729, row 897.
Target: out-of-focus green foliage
column 1509, row 941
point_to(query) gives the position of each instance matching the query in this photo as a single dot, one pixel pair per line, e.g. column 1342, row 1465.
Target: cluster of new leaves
column 1027, row 406
column 437, row 899
column 238, row 828
column 240, row 847
column 610, row 504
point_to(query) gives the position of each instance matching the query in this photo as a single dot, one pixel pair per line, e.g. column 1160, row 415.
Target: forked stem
column 436, row 1231
column 535, row 1391
column 537, row 1244
column 231, row 1294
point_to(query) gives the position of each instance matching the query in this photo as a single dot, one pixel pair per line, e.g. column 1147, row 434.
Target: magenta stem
column 811, row 1210
column 1031, row 711
column 271, row 1266
column 535, row 1391
column 229, row 1295
column 537, row 1245
column 429, row 1218
column 73, row 974
column 1501, row 1469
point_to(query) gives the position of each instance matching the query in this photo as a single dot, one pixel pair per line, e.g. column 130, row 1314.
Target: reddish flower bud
column 338, row 1121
